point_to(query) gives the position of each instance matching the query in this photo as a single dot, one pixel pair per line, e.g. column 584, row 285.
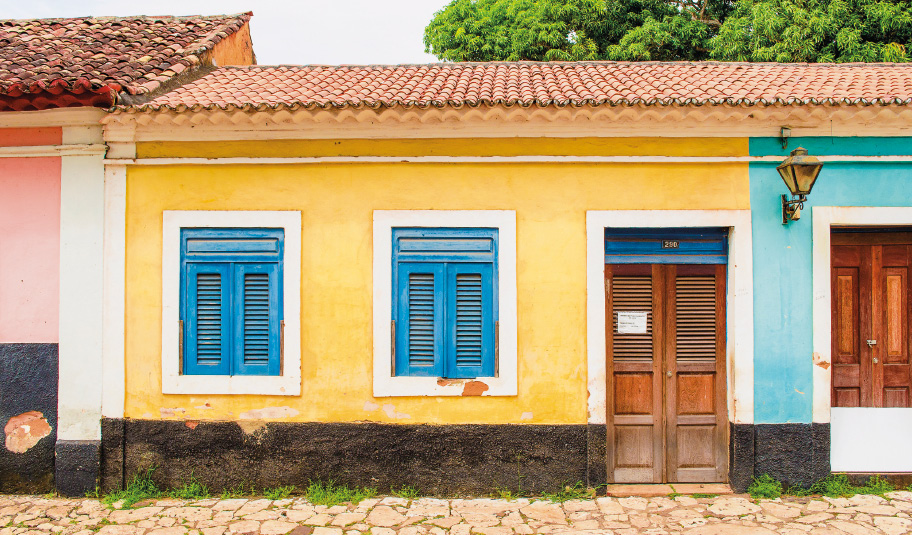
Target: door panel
column 667, row 418
column 871, row 315
column 695, row 417
column 635, row 434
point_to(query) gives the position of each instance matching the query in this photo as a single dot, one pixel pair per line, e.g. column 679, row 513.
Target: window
column 444, row 302
column 231, row 315
column 231, row 302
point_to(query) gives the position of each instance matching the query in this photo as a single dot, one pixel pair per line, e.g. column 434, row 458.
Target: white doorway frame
column 739, row 306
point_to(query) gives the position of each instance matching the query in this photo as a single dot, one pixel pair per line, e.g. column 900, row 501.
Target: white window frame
column 173, row 381
column 388, row 385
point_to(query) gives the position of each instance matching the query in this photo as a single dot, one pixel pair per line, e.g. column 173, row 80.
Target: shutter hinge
column 393, row 348
column 180, row 347
column 282, row 347
column 497, row 349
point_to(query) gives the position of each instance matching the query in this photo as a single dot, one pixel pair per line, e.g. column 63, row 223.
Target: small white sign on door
column 631, row 322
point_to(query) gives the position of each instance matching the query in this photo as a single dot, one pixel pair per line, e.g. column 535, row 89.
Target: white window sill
column 217, row 384
column 434, row 386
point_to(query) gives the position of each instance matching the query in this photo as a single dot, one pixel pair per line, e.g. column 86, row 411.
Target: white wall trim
column 44, row 151
column 824, row 218
column 173, row 382
column 387, row 385
column 84, row 116
column 82, row 225
column 114, row 367
column 740, row 312
column 493, row 159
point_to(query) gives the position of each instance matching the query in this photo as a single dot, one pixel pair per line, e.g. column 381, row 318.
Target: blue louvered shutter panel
column 257, row 332
column 419, row 321
column 208, row 319
column 470, row 321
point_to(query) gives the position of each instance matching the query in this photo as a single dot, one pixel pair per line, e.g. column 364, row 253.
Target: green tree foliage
column 666, row 30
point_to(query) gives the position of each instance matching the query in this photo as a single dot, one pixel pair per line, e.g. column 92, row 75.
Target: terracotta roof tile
column 104, row 54
column 542, row 84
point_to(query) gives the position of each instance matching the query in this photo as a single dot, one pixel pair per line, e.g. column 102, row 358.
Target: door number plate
column 669, row 244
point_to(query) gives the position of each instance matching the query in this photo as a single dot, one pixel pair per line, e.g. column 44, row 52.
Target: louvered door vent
column 256, row 318
column 632, row 294
column 695, row 312
column 421, row 319
column 209, row 318
column 468, row 319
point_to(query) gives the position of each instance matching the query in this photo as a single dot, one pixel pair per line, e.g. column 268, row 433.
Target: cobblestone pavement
column 725, row 515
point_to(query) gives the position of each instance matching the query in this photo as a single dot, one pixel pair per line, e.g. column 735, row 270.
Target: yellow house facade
column 343, row 190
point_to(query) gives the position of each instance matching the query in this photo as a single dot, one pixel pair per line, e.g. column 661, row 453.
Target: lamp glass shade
column 799, row 171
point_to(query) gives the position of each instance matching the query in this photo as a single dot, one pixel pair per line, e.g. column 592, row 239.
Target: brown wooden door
column 667, row 418
column 870, row 319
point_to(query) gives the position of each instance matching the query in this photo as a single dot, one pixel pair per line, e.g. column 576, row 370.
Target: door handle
column 872, row 343
column 669, row 374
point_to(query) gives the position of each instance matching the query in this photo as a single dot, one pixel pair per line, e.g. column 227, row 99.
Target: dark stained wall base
column 77, row 466
column 112, row 454
column 795, row 454
column 436, row 459
column 741, row 456
column 899, row 480
column 28, row 393
column 597, row 441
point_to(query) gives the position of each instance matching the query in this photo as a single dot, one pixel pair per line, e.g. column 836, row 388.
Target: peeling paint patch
column 474, row 388
column 390, row 411
column 449, row 382
column 203, row 407
column 251, row 427
column 25, row 430
column 370, row 406
column 171, row 412
column 191, row 424
column 525, row 416
column 799, row 391
column 268, row 413
column 818, row 361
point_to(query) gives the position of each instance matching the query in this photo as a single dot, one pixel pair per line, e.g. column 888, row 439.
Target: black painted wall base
column 28, row 385
column 436, row 459
column 77, row 466
column 796, row 454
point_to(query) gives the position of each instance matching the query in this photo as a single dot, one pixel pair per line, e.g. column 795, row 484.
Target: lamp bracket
column 791, row 209
column 784, row 134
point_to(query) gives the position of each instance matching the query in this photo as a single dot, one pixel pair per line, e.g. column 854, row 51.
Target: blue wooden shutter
column 231, row 300
column 470, row 321
column 419, row 319
column 208, row 320
column 257, row 337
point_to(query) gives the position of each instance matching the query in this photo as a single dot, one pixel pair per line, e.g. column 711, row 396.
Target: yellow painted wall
column 336, row 202
column 573, row 146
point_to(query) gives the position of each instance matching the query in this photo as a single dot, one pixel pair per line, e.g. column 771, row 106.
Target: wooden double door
column 667, row 417
column 871, row 346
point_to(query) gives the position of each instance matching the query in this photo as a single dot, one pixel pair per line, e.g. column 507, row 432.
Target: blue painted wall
column 783, row 253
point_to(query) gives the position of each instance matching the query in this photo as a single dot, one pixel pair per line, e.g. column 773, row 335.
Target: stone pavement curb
column 723, row 515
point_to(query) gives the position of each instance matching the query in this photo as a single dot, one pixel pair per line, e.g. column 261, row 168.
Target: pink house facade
column 54, row 198
column 51, row 235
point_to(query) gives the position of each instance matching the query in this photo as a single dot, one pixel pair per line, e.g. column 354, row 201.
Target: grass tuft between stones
column 832, row 486
column 329, row 493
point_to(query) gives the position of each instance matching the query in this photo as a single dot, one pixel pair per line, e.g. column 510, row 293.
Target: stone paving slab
column 660, row 515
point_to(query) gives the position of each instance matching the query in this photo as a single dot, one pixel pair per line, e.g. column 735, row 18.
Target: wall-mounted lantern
column 798, row 171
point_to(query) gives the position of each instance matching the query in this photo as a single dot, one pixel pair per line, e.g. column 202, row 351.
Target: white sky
column 328, row 32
